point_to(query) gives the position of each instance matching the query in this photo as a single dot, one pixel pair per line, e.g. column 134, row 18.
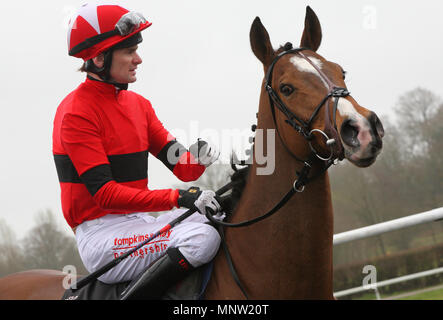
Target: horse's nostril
column 349, row 133
column 379, row 127
column 376, row 125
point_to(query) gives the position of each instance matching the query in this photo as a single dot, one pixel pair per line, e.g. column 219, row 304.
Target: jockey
column 102, row 136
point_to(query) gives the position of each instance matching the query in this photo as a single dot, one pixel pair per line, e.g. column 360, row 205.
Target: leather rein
column 302, row 127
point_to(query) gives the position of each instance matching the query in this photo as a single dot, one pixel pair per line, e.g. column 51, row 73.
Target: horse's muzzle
column 362, row 140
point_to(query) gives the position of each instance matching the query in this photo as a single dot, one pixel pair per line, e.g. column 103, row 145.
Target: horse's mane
column 287, row 46
column 238, row 181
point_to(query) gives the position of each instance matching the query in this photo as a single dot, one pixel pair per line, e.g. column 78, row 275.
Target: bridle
column 305, row 127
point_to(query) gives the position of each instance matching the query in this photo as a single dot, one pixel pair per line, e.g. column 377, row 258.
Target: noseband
column 305, row 128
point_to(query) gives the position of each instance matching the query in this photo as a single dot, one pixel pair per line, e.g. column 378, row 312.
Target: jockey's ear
column 312, row 34
column 99, row 60
column 261, row 43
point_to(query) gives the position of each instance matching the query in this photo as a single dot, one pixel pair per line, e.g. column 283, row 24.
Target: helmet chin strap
column 104, row 73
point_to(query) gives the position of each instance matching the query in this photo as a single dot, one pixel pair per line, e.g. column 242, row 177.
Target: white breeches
column 101, row 240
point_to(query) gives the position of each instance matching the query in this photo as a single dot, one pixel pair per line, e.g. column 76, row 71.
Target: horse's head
column 308, row 93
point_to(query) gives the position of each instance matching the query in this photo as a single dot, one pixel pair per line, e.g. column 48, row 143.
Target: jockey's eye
column 286, row 89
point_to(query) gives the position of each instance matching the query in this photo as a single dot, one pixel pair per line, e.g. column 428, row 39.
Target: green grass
column 430, row 295
column 436, row 294
column 366, row 296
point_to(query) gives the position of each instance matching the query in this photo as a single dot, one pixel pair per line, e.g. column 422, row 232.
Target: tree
column 420, row 114
column 415, row 109
column 46, row 246
column 11, row 259
column 434, row 163
column 407, row 177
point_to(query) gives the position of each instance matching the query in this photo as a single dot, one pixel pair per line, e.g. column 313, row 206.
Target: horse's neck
column 266, row 187
column 289, row 255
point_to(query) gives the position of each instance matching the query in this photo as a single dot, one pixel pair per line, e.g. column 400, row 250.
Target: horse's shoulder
column 38, row 284
column 35, row 275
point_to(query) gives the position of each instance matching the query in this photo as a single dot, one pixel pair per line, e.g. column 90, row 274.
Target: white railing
column 375, row 286
column 379, row 228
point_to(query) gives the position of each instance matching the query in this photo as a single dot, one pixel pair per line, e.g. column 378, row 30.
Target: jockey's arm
column 187, row 165
column 82, row 142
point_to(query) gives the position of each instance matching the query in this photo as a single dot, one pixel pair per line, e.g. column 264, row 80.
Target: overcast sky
column 198, row 72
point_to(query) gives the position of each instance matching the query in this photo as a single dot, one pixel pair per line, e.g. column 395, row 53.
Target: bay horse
column 289, row 256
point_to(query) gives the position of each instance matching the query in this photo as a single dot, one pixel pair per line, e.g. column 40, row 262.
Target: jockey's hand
column 204, row 201
column 205, row 153
column 220, row 216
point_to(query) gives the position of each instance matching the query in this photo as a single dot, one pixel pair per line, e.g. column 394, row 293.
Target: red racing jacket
column 101, row 141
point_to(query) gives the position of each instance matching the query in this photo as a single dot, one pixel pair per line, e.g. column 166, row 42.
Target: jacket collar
column 106, row 87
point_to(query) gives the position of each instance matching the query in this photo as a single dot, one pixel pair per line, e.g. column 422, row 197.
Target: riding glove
column 204, row 201
column 204, row 153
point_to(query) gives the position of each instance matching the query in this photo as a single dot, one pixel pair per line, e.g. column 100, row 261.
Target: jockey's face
column 124, row 63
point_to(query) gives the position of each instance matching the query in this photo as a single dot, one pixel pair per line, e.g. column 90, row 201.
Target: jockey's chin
column 125, row 77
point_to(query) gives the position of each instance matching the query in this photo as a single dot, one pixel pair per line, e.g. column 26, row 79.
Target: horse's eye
column 344, row 74
column 286, row 89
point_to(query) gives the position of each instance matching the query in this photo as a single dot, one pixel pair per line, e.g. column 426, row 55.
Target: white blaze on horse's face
column 304, row 66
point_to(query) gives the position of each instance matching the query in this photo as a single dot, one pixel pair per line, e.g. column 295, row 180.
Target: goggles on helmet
column 129, row 22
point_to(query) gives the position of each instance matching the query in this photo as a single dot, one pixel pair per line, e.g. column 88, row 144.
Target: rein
column 303, row 128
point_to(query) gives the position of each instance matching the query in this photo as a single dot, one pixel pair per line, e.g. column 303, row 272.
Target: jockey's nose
column 137, row 59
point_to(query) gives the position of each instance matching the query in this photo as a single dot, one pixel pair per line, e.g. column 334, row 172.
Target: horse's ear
column 312, row 35
column 260, row 42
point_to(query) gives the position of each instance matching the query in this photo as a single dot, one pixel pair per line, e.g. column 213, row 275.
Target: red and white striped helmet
column 97, row 27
